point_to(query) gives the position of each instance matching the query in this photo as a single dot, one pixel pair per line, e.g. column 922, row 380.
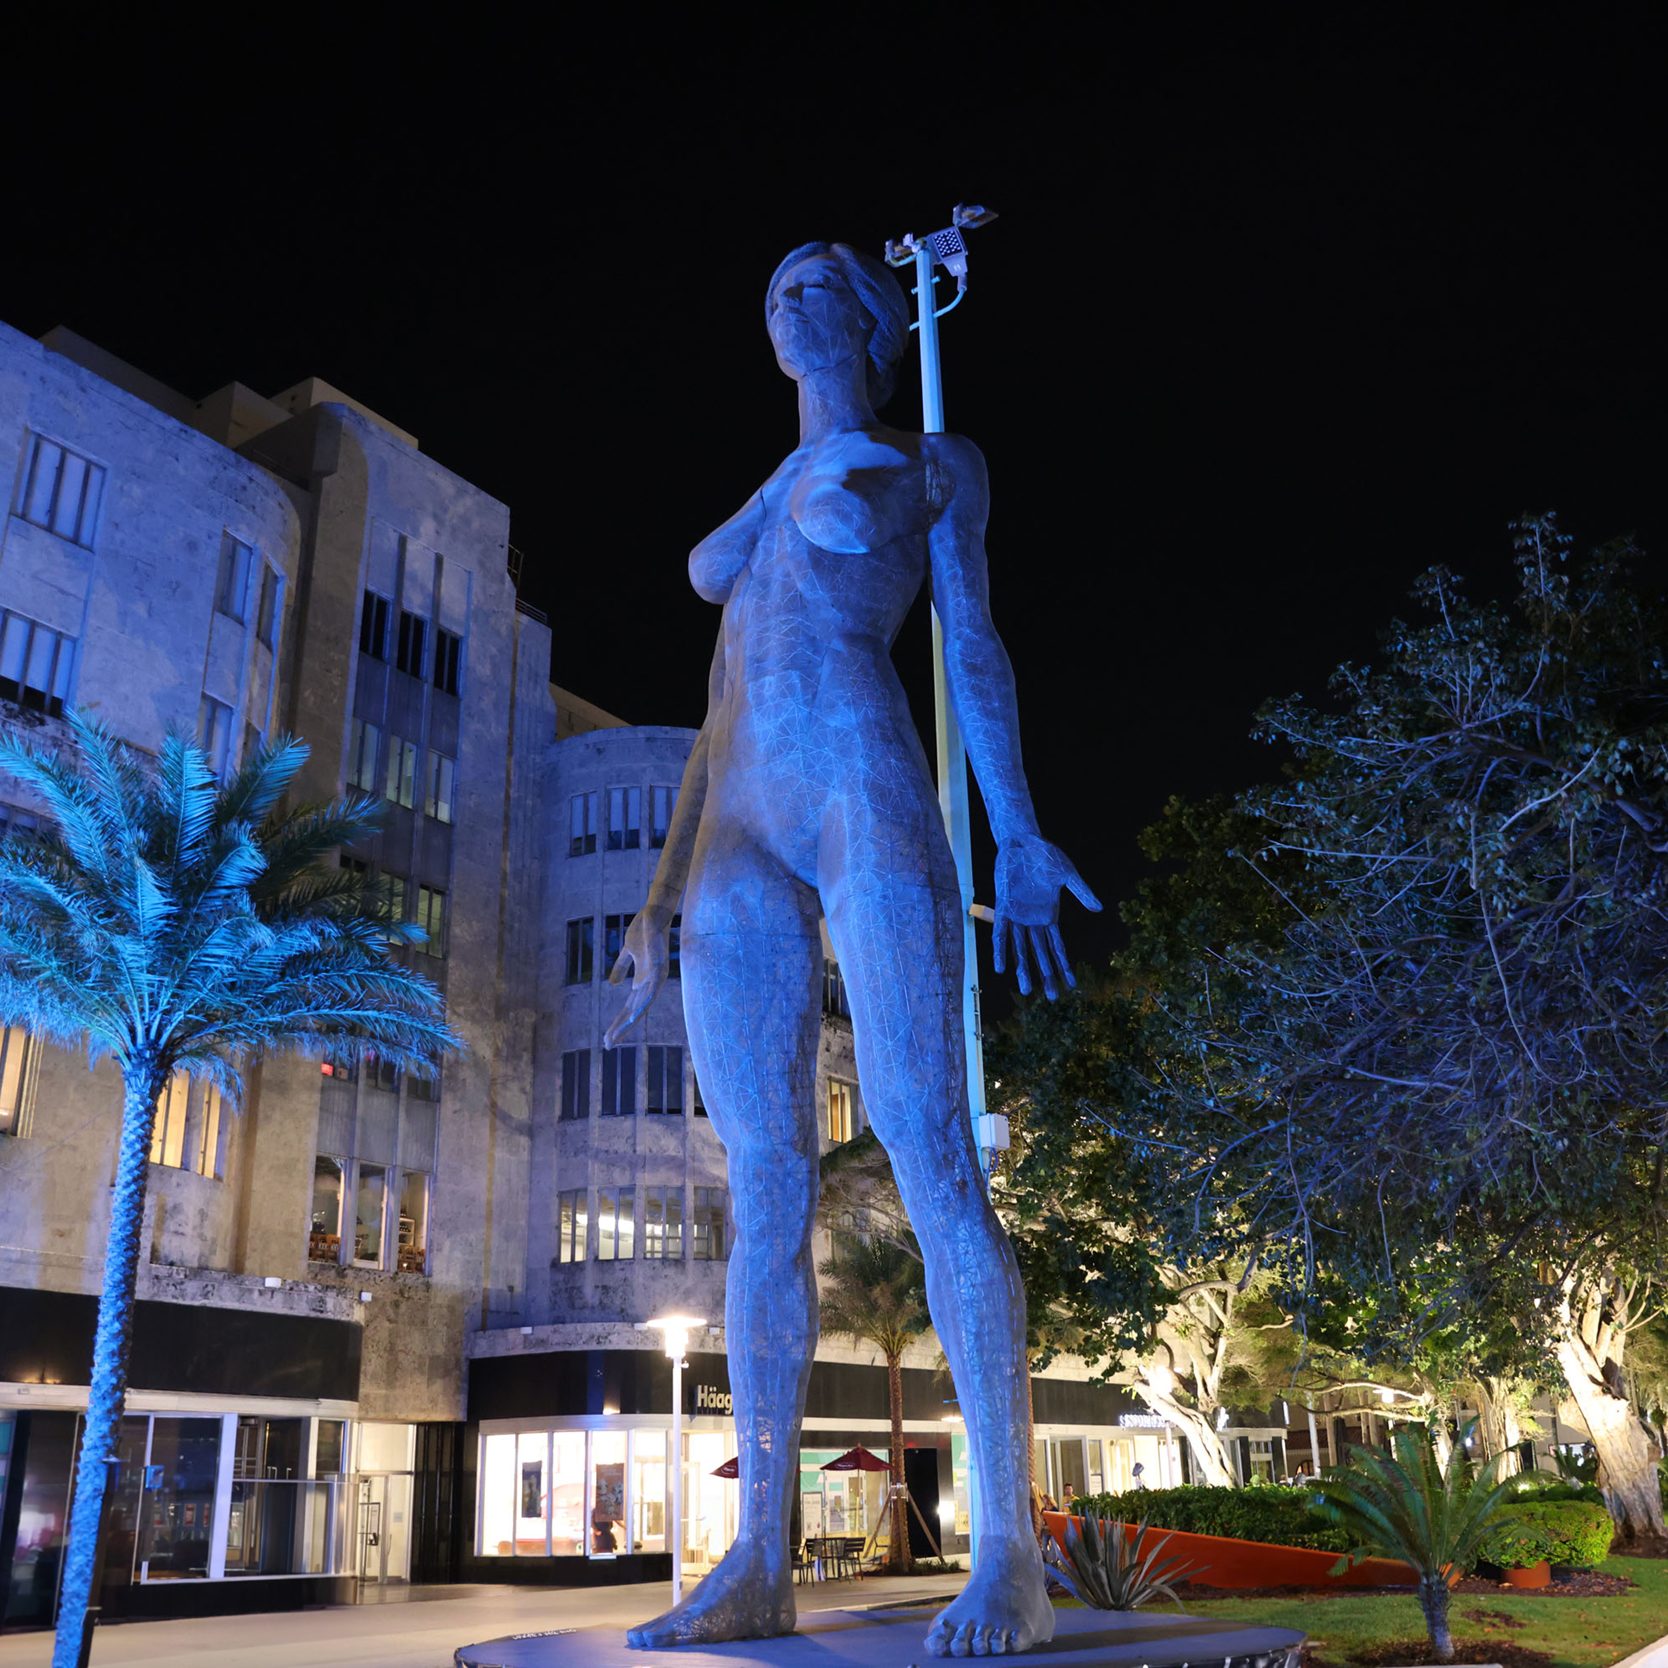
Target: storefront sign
column 1144, row 1421
column 710, row 1399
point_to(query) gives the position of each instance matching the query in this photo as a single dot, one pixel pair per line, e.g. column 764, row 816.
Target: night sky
column 1277, row 313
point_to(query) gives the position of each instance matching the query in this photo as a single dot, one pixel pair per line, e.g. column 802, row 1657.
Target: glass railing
column 283, row 1527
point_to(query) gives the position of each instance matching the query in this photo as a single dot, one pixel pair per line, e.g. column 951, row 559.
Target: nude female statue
column 808, row 792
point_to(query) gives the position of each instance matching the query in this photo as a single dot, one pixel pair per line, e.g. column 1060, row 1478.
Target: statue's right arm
column 645, row 957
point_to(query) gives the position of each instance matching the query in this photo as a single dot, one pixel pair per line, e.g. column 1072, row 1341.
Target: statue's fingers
column 1022, row 964
column 622, row 968
column 1058, row 945
column 998, row 947
column 1079, row 889
column 1039, row 949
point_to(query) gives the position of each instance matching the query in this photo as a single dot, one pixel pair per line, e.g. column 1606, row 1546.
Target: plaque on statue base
column 896, row 1638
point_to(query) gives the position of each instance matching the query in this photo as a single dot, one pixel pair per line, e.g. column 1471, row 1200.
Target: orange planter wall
column 1231, row 1563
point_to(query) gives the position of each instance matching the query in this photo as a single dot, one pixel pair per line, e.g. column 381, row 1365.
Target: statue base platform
column 896, row 1638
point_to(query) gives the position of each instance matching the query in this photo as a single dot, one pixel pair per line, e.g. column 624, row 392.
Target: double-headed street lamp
column 948, row 249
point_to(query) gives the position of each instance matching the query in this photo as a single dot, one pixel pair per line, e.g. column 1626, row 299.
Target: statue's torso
column 812, row 712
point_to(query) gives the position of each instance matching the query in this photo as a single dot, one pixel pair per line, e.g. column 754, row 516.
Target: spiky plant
column 876, row 1292
column 173, row 924
column 1107, row 1567
column 1407, row 1505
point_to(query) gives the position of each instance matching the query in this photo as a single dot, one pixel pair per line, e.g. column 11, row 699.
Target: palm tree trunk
column 898, row 1559
column 108, row 1390
column 1433, row 1600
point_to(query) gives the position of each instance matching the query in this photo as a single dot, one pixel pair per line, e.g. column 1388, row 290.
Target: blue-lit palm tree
column 170, row 923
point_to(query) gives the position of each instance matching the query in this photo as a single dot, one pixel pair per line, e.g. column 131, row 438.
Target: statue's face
column 815, row 320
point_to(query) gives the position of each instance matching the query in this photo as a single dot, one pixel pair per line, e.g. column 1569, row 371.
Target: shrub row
column 1280, row 1516
column 1573, row 1532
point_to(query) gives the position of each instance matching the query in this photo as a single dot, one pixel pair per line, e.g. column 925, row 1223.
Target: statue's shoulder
column 955, row 470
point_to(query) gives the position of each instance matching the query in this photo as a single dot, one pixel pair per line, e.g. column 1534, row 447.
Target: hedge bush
column 1279, row 1516
column 1573, row 1532
column 1540, row 1485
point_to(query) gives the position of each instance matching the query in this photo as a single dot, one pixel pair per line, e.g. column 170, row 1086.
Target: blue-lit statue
column 808, row 794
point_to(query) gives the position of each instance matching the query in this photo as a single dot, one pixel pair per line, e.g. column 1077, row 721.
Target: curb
column 1654, row 1655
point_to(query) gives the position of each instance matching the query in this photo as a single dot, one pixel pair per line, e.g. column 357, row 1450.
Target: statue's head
column 827, row 302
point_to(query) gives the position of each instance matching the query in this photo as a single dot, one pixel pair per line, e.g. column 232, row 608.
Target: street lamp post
column 949, row 249
column 674, row 1333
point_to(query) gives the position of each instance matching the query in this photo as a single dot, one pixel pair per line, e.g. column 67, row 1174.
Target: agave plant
column 1406, row 1505
column 1107, row 1568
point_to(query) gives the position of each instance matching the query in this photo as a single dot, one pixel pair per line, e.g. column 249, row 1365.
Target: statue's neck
column 834, row 398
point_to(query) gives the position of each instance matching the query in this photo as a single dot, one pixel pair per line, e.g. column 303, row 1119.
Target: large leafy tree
column 172, row 924
column 1454, row 1048
column 875, row 1291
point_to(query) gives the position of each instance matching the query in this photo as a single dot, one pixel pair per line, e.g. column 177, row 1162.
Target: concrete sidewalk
column 419, row 1629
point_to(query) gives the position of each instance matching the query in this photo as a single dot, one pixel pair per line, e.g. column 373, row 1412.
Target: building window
column 448, row 649
column 834, row 990
column 431, row 917
column 582, row 824
column 662, row 803
column 570, row 1226
column 706, row 1225
column 373, row 626
column 13, row 821
column 615, row 1220
column 61, row 491
column 363, row 742
column 625, row 818
column 380, row 1072
column 697, row 1101
column 400, row 784
column 324, row 1238
column 370, row 1203
column 619, row 1082
column 438, row 787
column 214, row 732
column 674, row 949
column 15, row 1053
column 231, row 588
column 412, row 1246
column 389, row 890
column 413, row 631
column 842, row 1110
column 576, row 1083
column 666, row 1080
column 35, row 663
column 581, row 951
column 663, row 1223
column 266, row 617
column 613, row 939
column 419, row 1086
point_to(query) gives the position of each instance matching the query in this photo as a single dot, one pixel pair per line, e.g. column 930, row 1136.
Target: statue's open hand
column 1029, row 875
column 645, row 958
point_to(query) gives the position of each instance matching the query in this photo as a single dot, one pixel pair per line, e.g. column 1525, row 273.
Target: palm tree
column 1405, row 1505
column 173, row 924
column 876, row 1293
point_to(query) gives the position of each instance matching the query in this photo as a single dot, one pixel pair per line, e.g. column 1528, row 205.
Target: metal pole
column 675, row 1528
column 952, row 752
column 1314, row 1442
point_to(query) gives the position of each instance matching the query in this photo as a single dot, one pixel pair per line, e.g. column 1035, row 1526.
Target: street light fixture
column 674, row 1333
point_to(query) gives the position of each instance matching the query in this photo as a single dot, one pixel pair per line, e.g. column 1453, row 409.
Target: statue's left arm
column 1029, row 870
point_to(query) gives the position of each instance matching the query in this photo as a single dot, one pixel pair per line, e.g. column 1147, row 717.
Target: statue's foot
column 748, row 1596
column 1002, row 1609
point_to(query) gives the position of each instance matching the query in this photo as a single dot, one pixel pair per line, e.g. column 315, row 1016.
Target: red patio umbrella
column 730, row 1468
column 857, row 1459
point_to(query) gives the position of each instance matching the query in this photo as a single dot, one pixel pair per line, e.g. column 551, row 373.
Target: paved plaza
column 419, row 1629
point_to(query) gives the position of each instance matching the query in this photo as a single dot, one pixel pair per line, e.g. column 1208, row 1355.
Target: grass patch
column 1573, row 1632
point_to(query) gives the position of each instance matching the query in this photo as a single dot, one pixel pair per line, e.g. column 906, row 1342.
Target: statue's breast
column 857, row 494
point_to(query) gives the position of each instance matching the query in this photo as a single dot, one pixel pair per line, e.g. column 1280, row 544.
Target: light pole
column 674, row 1333
column 949, row 249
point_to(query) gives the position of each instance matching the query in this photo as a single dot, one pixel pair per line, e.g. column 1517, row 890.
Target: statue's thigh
column 752, row 985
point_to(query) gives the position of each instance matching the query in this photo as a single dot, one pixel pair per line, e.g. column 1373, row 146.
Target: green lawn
column 1575, row 1632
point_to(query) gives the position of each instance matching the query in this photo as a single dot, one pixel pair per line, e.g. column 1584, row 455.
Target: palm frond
column 253, row 794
